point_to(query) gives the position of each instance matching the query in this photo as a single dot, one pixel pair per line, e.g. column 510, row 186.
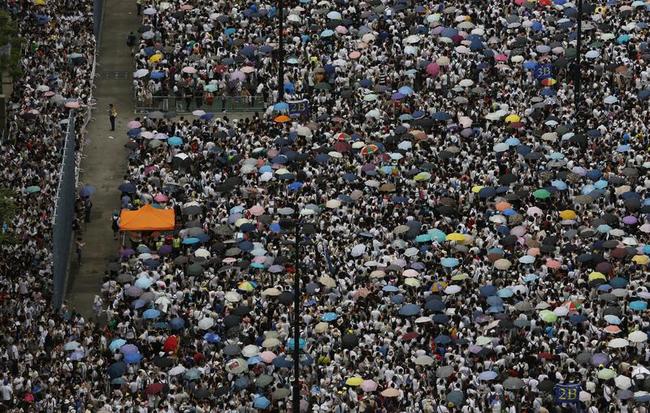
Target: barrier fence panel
column 64, row 214
column 181, row 104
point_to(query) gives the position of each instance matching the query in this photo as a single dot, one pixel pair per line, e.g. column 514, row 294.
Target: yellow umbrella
column 477, row 188
column 460, row 277
column 597, row 276
column 354, row 381
column 437, row 286
column 455, row 236
column 641, row 259
column 512, row 118
column 246, row 286
column 568, row 214
column 156, row 58
column 39, row 2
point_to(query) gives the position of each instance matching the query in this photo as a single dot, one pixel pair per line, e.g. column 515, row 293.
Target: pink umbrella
column 161, row 198
column 552, row 264
column 256, row 210
column 268, row 356
column 189, row 69
column 501, row 57
column 368, row 385
column 133, row 124
column 247, row 69
column 341, row 29
column 73, row 104
column 355, row 55
column 433, row 69
column 518, row 231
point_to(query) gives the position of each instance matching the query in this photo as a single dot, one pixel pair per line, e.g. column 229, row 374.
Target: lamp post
column 281, row 50
column 578, row 69
column 300, row 229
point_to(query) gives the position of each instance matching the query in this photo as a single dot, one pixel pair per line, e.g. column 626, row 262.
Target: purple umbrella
column 630, row 220
column 238, row 75
column 128, row 348
column 127, row 253
column 600, row 358
column 165, row 249
column 397, row 96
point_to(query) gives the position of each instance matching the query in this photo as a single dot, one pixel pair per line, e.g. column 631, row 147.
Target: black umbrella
column 232, row 320
column 286, row 297
column 117, row 369
column 349, row 341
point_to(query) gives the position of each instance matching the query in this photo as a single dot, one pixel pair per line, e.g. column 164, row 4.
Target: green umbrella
column 33, row 189
column 548, row 316
column 422, row 176
column 541, row 194
column 606, row 374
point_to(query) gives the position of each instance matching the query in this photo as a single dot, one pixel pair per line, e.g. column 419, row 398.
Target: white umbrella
column 250, row 350
column 623, row 382
column 175, row 371
column 618, row 343
column 452, row 289
column 637, row 336
column 358, row 250
column 206, row 323
column 233, row 296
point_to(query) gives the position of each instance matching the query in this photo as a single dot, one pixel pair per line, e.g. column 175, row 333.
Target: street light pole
column 578, row 70
column 281, row 50
column 296, row 326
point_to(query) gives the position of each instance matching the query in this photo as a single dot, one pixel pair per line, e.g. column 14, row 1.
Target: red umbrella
column 171, row 344
column 433, row 69
column 154, row 388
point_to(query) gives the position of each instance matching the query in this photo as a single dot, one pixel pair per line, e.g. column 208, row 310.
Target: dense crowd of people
column 58, row 45
column 467, row 241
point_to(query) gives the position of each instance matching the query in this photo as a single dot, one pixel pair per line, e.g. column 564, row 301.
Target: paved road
column 104, row 162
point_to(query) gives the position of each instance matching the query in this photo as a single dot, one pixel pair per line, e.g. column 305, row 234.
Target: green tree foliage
column 7, row 213
column 9, row 36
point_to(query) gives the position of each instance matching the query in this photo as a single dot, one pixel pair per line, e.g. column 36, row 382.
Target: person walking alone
column 112, row 115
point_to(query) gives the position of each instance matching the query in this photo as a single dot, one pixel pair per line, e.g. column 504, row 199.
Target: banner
column 566, row 393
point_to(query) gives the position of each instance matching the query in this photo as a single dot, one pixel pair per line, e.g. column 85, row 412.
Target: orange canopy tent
column 147, row 218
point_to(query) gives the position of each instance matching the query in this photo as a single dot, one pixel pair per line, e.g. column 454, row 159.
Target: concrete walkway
column 104, row 163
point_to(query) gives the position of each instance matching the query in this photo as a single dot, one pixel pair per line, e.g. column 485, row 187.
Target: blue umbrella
column 177, row 323
column 487, row 375
column 191, row 241
column 116, row 344
column 618, row 282
column 441, row 116
column 329, row 317
column 261, row 403
column 560, row 185
column 157, row 74
column 449, row 262
column 409, row 310
column 211, row 338
column 175, row 141
column 638, row 305
column 301, row 343
column 390, row 289
column 117, row 369
column 132, row 358
column 132, row 133
column 326, row 33
column 87, row 191
column 437, row 235
column 488, row 290
column 405, row 90
column 294, row 186
column 127, row 188
column 281, row 107
column 442, row 340
column 143, row 282
column 150, row 314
